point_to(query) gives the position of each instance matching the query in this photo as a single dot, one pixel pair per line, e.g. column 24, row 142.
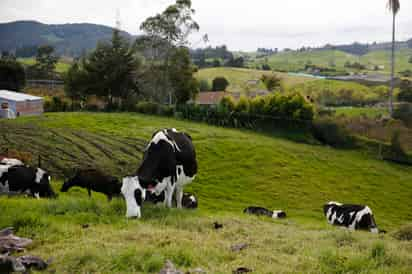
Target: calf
column 92, row 179
column 260, row 211
column 350, row 216
column 24, row 179
column 189, row 200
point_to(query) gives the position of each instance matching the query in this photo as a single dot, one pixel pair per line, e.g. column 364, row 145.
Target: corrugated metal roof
column 18, row 97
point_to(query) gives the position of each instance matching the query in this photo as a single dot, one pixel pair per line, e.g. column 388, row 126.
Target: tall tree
column 45, row 60
column 168, row 31
column 394, row 6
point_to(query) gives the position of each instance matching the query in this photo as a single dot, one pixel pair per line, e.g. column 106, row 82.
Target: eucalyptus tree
column 394, row 6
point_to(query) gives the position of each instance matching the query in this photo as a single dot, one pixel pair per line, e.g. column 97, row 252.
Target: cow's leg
column 169, row 194
column 89, row 191
column 179, row 196
column 109, row 197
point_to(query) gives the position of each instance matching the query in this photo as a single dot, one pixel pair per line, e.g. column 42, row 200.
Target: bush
column 404, row 113
column 242, row 105
column 220, row 84
column 331, row 133
column 405, row 94
column 56, row 104
column 404, row 233
column 147, row 108
column 396, row 152
column 204, row 85
column 227, row 103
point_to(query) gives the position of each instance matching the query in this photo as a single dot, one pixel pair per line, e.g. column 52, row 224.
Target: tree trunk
column 392, row 67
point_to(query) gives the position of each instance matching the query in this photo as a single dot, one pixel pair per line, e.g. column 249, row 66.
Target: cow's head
column 134, row 195
column 42, row 186
column 68, row 184
column 159, row 162
column 329, row 205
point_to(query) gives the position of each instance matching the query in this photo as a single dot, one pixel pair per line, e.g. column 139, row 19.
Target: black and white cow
column 353, row 217
column 189, row 200
column 24, row 179
column 11, row 162
column 93, row 179
column 169, row 163
column 261, row 211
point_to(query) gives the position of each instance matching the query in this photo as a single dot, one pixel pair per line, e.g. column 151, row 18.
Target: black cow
column 169, row 163
column 260, row 211
column 24, row 179
column 350, row 216
column 92, row 179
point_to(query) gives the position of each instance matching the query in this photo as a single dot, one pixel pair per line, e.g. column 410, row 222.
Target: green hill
column 292, row 61
column 238, row 77
column 68, row 39
column 236, row 169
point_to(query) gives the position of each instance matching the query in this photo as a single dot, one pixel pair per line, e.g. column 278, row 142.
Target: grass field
column 293, row 61
column 61, row 66
column 370, row 112
column 238, row 78
column 236, row 169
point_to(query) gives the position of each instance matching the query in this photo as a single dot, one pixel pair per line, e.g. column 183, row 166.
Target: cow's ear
column 188, row 136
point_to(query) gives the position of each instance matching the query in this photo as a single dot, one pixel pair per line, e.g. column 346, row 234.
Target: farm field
column 370, row 112
column 61, row 66
column 238, row 77
column 292, row 61
column 236, row 169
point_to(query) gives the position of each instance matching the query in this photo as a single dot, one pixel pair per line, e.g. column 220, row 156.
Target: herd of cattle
column 169, row 163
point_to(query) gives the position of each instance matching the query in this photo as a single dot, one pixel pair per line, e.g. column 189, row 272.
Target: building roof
column 210, row 97
column 18, row 97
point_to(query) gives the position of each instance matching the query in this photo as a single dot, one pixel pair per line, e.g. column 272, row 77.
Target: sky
column 240, row 24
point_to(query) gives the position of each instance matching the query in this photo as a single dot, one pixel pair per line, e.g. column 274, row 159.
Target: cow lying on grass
column 260, row 211
column 22, row 179
column 189, row 200
column 169, row 163
column 92, row 179
column 353, row 217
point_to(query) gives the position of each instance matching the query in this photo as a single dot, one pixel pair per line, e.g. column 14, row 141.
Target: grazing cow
column 169, row 163
column 350, row 216
column 260, row 211
column 11, row 162
column 22, row 179
column 92, row 179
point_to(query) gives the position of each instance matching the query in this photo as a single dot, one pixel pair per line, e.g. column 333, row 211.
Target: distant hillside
column 68, row 39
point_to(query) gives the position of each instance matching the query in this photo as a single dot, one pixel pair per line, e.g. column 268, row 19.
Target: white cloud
column 239, row 24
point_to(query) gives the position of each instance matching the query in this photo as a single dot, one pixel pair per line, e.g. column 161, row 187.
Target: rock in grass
column 10, row 243
column 169, row 268
column 216, row 225
column 238, row 247
column 9, row 264
column 241, row 270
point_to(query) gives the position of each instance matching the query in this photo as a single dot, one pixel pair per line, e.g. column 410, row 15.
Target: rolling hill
column 236, row 169
column 295, row 61
column 68, row 39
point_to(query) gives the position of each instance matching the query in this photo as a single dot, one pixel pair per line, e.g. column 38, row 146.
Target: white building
column 15, row 104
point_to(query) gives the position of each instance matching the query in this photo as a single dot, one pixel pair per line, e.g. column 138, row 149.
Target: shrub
column 404, row 233
column 331, row 133
column 166, row 110
column 204, row 85
column 257, row 105
column 396, row 152
column 220, row 84
column 147, row 108
column 405, row 94
column 227, row 103
column 242, row 105
column 271, row 81
column 56, row 104
column 404, row 113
